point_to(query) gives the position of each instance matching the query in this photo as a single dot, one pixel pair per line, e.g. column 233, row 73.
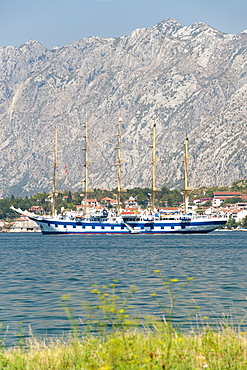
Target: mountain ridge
column 189, row 80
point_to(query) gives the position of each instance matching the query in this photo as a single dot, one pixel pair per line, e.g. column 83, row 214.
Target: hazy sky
column 59, row 22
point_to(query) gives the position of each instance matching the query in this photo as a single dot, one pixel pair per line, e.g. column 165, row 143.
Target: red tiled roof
column 130, row 208
column 22, row 218
column 36, row 209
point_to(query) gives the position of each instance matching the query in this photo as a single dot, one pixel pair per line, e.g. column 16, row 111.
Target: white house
column 216, row 202
column 239, row 215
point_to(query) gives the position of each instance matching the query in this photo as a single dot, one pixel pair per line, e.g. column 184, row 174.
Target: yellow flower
column 95, row 291
column 65, row 297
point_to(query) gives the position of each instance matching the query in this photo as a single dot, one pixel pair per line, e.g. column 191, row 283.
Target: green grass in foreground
column 134, row 350
column 131, row 343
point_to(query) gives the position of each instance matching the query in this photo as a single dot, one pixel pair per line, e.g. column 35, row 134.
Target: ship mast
column 118, row 164
column 187, row 190
column 154, row 160
column 86, row 168
column 54, row 180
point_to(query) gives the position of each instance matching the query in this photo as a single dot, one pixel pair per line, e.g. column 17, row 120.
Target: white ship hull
column 130, row 224
column 52, row 226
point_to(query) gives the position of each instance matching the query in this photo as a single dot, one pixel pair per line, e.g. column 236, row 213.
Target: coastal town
column 229, row 204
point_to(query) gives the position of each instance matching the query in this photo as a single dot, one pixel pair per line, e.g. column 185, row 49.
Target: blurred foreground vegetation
column 126, row 345
column 134, row 351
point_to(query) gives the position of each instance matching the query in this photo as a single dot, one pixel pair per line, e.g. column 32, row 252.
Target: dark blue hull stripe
column 192, row 224
column 142, row 232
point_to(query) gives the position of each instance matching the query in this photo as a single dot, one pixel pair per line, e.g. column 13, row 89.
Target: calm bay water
column 37, row 270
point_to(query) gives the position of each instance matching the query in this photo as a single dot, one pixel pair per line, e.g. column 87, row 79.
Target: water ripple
column 36, row 271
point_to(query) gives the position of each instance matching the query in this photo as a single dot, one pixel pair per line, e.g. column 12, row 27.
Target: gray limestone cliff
column 191, row 81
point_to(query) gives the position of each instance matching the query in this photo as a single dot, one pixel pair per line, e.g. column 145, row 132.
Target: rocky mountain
column 191, row 81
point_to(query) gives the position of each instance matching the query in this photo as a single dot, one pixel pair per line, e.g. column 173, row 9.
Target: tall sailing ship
column 149, row 221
